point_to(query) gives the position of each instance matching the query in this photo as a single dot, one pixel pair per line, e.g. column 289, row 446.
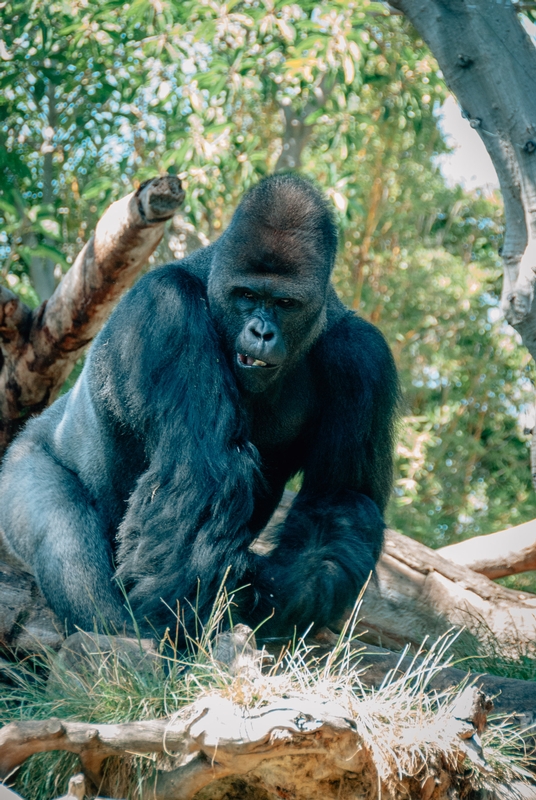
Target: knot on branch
column 159, row 198
column 14, row 314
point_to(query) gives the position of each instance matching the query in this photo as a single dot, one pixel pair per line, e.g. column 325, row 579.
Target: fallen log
column 27, row 624
column 498, row 554
column 305, row 747
column 419, row 593
column 511, row 697
column 39, row 348
column 416, row 593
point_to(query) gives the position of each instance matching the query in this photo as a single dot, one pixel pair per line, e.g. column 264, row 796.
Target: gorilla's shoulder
column 197, row 264
column 352, row 341
column 164, row 290
column 189, row 271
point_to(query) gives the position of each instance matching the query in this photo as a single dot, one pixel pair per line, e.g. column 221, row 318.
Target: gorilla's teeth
column 249, row 361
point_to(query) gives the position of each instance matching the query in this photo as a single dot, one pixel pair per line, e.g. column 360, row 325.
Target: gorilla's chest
column 277, row 422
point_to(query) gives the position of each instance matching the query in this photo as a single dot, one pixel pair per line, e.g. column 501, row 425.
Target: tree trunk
column 296, row 133
column 39, row 348
column 295, row 137
column 41, row 267
column 489, row 63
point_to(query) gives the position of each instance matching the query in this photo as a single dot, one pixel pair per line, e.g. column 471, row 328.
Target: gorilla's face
column 269, row 277
column 277, row 323
column 269, row 315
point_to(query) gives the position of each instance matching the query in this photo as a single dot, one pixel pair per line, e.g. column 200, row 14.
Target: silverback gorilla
column 214, row 381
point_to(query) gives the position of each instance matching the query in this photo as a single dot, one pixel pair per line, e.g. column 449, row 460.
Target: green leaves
column 43, row 251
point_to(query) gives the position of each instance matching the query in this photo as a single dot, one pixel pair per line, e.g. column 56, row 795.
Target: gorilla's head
column 269, row 277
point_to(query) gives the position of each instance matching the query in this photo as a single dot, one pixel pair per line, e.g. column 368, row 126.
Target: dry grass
column 404, row 726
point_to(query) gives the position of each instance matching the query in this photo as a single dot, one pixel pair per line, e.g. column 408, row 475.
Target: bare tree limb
column 498, row 554
column 38, row 349
column 419, row 593
column 20, row 740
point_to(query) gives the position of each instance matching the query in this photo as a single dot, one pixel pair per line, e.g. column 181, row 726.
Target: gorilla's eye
column 286, row 302
column 247, row 295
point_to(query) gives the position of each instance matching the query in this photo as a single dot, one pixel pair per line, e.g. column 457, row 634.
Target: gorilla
column 215, row 380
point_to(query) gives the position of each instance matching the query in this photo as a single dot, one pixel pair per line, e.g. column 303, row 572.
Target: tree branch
column 489, row 61
column 498, row 554
column 39, row 357
column 419, row 593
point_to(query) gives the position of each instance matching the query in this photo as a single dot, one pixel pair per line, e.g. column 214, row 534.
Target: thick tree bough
column 39, row 348
column 498, row 554
column 494, row 86
column 419, row 593
column 294, row 747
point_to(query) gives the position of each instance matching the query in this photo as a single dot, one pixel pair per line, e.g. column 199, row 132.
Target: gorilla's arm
column 333, row 534
column 154, row 422
column 164, row 377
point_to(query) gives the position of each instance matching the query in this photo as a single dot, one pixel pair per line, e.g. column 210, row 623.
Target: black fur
column 171, row 452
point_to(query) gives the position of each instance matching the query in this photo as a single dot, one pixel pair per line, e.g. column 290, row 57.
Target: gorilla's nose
column 261, row 330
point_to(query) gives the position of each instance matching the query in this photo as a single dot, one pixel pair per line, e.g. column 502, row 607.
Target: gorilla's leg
column 50, row 523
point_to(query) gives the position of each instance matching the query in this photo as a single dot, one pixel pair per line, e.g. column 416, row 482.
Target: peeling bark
column 39, row 348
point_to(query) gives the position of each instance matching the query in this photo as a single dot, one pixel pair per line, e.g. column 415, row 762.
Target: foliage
column 97, row 95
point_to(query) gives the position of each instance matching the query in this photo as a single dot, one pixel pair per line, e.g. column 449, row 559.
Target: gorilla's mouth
column 248, row 361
